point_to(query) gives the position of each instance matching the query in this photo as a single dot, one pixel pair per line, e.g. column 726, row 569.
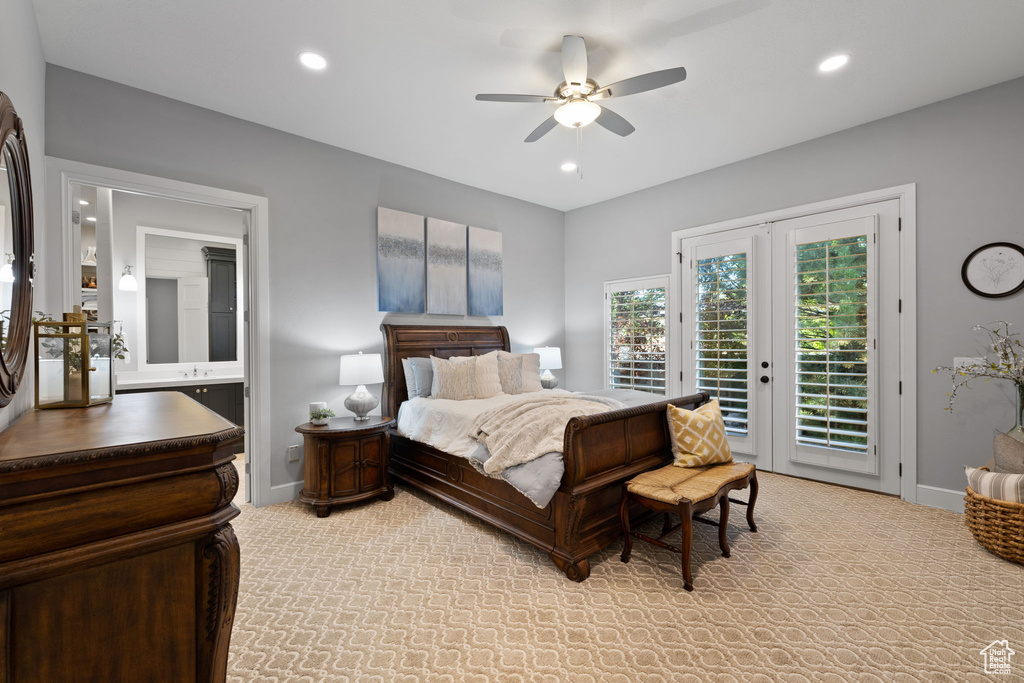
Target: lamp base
column 361, row 402
column 548, row 380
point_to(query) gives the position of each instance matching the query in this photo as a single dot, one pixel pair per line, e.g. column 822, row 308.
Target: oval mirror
column 16, row 251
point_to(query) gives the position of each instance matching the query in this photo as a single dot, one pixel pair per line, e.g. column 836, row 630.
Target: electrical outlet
column 294, row 453
column 960, row 362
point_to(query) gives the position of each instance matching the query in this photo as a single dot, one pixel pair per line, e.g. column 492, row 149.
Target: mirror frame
column 14, row 358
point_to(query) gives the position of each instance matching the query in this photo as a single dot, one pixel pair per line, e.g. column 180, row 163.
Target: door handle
column 764, row 379
column 764, row 364
column 205, row 390
column 197, row 391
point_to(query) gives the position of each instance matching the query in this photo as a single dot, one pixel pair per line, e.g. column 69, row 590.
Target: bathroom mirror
column 16, row 242
column 190, row 285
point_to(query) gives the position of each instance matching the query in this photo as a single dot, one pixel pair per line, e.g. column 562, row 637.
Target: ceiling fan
column 578, row 95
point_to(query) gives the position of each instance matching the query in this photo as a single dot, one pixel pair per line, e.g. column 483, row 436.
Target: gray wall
column 22, row 78
column 323, row 203
column 966, row 155
column 132, row 210
column 162, row 328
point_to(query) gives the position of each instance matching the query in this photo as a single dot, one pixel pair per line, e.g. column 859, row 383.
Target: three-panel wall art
column 427, row 265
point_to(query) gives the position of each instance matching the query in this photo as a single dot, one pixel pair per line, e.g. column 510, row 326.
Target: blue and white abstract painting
column 446, row 267
column 485, row 268
column 400, row 261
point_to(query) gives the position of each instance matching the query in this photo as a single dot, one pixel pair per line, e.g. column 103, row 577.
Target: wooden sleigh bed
column 600, row 452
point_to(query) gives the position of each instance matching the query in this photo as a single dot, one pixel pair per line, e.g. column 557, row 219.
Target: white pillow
column 453, row 380
column 487, row 382
column 531, row 370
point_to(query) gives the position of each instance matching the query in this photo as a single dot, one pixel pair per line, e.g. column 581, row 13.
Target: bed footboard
column 600, row 452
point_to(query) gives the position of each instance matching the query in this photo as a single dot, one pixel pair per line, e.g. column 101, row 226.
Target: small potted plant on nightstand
column 320, row 416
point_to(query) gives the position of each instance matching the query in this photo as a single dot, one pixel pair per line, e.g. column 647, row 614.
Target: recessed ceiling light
column 83, row 202
column 568, row 166
column 833, row 63
column 91, row 219
column 312, row 60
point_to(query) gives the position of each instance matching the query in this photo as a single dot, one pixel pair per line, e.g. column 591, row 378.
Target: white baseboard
column 946, row 499
column 282, row 493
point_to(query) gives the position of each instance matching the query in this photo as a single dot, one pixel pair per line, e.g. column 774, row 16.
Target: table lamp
column 550, row 359
column 360, row 369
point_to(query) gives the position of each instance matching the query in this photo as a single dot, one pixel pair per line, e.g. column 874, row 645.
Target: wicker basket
column 996, row 524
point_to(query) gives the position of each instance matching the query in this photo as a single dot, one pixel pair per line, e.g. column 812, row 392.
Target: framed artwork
column 446, row 267
column 994, row 270
column 485, row 272
column 400, row 261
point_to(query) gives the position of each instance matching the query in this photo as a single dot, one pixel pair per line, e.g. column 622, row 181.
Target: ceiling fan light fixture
column 577, row 113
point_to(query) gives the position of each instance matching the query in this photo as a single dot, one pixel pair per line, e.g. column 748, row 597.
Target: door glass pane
column 637, row 343
column 831, row 343
column 721, row 337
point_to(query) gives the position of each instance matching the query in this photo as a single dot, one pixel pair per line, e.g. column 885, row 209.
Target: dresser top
column 132, row 424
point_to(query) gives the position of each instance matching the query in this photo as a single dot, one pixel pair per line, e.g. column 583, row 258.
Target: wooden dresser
column 117, row 562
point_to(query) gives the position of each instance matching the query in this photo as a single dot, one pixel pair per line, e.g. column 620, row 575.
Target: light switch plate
column 294, row 453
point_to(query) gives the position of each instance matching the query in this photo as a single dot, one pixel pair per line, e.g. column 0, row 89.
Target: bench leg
column 624, row 520
column 666, row 525
column 687, row 518
column 750, row 503
column 723, row 523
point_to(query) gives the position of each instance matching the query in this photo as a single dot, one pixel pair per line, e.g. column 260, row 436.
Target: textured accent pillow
column 488, row 384
column 1009, row 455
column 423, row 374
column 698, row 436
column 530, row 371
column 453, row 380
column 1006, row 487
column 510, row 373
column 410, row 378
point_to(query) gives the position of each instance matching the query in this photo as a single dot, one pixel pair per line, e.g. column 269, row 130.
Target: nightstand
column 345, row 461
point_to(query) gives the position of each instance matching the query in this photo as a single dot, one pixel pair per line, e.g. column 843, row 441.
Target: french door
column 794, row 326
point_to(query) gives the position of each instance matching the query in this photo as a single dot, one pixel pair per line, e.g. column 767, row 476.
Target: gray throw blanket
column 525, row 430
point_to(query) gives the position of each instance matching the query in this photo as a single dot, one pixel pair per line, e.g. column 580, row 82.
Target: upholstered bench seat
column 671, row 484
column 688, row 492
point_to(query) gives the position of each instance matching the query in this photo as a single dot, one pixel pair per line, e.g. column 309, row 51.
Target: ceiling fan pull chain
column 579, row 151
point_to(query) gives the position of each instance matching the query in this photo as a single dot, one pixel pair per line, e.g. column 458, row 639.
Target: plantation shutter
column 832, row 273
column 721, row 328
column 635, row 334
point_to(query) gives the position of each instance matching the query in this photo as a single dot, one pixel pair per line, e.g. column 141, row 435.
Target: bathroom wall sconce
column 7, row 270
column 128, row 283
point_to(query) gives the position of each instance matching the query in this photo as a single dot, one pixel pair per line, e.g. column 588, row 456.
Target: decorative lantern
column 74, row 364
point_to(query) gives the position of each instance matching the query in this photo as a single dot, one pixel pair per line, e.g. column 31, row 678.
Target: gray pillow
column 423, row 374
column 410, row 379
column 1009, row 455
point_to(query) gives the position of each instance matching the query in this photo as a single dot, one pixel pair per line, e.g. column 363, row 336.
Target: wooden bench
column 688, row 492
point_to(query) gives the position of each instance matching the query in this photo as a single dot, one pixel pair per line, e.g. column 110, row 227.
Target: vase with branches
column 1003, row 360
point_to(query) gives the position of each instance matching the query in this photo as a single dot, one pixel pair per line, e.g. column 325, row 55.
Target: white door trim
column 61, row 173
column 907, row 196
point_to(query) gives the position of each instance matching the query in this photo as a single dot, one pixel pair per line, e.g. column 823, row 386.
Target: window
column 831, row 343
column 635, row 334
column 721, row 307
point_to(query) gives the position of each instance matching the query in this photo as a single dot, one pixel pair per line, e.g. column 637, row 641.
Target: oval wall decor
column 994, row 270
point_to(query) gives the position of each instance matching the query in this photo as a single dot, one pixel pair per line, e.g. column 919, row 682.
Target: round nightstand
column 346, row 461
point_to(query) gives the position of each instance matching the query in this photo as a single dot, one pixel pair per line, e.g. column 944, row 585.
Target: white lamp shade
column 361, row 368
column 550, row 357
column 576, row 113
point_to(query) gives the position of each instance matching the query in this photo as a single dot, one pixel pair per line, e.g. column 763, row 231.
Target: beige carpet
column 838, row 585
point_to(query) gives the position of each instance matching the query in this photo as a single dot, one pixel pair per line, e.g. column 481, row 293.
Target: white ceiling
column 402, row 74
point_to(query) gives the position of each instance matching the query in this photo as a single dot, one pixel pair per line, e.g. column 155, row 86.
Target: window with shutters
column 831, row 343
column 635, row 334
column 721, row 336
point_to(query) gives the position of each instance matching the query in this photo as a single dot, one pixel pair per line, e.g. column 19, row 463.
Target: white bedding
column 446, row 425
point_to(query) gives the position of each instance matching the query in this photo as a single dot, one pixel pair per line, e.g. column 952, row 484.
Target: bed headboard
column 423, row 341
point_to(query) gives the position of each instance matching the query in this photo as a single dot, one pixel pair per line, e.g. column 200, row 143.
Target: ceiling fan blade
column 542, row 130
column 651, row 81
column 515, row 98
column 574, row 61
column 614, row 122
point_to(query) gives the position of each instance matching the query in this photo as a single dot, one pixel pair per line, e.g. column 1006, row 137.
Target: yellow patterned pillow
column 698, row 436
